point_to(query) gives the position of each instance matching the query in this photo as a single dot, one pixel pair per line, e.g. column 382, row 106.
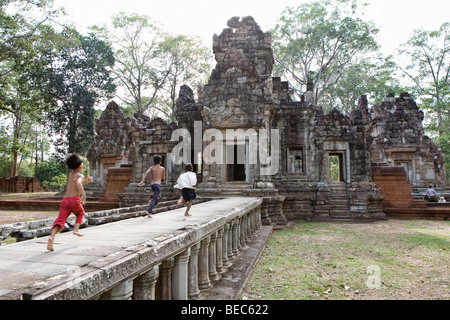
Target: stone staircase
column 339, row 203
column 418, row 193
column 333, row 203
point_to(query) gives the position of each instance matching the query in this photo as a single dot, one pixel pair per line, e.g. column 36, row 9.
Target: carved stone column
column 242, row 228
column 203, row 269
column 234, row 237
column 144, row 285
column 193, row 290
column 226, row 230
column 164, row 285
column 123, row 291
column 219, row 249
column 230, row 243
column 212, row 258
column 180, row 276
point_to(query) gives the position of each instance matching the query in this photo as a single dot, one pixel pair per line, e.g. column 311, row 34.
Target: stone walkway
column 25, row 264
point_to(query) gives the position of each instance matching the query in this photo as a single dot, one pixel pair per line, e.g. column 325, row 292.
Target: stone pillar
column 144, row 285
column 230, row 243
column 193, row 290
column 164, row 285
column 219, row 249
column 123, row 291
column 242, row 233
column 226, row 230
column 258, row 218
column 203, row 269
column 180, row 276
column 234, row 237
column 212, row 258
column 239, row 233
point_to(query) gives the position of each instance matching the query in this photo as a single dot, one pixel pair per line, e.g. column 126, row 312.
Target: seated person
column 431, row 194
column 442, row 200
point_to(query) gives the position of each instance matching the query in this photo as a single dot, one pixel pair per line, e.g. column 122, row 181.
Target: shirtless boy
column 158, row 175
column 72, row 202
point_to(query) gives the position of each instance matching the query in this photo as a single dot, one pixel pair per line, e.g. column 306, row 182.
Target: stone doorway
column 236, row 160
column 336, row 167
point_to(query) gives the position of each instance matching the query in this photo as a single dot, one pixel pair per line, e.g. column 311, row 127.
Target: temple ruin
column 324, row 161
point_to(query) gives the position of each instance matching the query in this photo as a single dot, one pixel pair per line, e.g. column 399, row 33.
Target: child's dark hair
column 189, row 167
column 74, row 161
column 157, row 159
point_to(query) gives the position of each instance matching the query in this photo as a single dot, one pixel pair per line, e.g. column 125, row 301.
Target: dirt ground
column 9, row 217
column 14, row 216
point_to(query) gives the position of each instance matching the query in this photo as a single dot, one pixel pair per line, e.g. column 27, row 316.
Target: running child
column 186, row 182
column 73, row 200
column 158, row 174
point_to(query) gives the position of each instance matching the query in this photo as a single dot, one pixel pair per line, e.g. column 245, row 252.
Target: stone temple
column 321, row 165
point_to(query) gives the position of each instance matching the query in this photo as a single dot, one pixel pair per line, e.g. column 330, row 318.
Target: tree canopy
column 320, row 41
column 151, row 64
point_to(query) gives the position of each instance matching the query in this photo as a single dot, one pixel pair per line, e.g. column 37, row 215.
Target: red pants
column 69, row 205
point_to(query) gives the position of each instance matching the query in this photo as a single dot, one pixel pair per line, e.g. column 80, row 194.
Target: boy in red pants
column 72, row 202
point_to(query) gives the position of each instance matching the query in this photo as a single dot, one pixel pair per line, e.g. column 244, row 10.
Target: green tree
column 372, row 76
column 318, row 40
column 135, row 40
column 425, row 60
column 52, row 174
column 188, row 62
column 78, row 74
column 427, row 57
column 151, row 64
column 20, row 30
column 21, row 99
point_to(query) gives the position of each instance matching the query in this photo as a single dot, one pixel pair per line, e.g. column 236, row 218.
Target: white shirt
column 186, row 180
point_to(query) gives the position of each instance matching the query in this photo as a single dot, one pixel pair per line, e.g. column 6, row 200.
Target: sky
column 396, row 19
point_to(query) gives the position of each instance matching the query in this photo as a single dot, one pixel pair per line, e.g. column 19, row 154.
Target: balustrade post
column 144, row 285
column 230, row 243
column 212, row 258
column 248, row 227
column 219, row 249
column 193, row 290
column 203, row 269
column 180, row 276
column 254, row 221
column 242, row 224
column 123, row 291
column 164, row 285
column 226, row 232
column 234, row 237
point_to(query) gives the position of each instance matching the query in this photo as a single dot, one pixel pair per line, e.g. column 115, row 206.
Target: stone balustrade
column 179, row 264
column 201, row 253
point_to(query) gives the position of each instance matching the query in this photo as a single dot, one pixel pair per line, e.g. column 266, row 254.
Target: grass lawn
column 394, row 259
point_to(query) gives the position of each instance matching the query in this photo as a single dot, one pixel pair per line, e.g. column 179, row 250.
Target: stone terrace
column 167, row 257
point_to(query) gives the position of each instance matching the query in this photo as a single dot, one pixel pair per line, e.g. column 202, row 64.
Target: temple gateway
column 321, row 165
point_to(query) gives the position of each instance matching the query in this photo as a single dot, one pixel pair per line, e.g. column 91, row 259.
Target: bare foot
column 188, row 215
column 78, row 234
column 148, row 214
column 50, row 244
column 180, row 201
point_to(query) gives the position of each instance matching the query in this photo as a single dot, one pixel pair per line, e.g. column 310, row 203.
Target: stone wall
column 20, row 185
column 399, row 139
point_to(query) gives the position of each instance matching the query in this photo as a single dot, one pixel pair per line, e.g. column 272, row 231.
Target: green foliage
column 152, row 64
column 425, row 60
column 23, row 37
column 52, row 174
column 319, row 40
column 78, row 74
